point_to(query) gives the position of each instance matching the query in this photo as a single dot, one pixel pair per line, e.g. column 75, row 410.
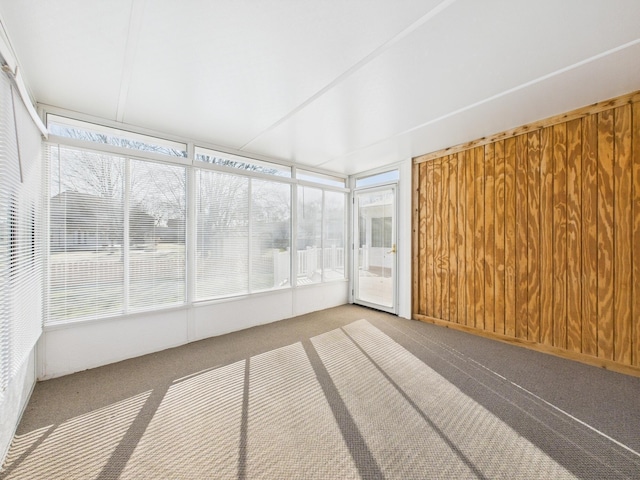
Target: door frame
column 355, row 238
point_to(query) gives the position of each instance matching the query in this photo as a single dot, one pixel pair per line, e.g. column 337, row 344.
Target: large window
column 117, row 234
column 121, row 228
column 243, row 234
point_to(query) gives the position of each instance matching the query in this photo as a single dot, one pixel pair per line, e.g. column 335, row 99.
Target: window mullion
column 250, row 235
column 125, row 236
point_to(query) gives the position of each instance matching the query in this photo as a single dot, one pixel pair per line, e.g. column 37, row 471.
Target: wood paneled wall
column 533, row 235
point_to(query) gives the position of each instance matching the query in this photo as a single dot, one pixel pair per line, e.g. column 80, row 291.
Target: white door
column 375, row 248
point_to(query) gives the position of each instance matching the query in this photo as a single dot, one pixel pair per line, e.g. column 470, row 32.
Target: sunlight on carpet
column 79, row 448
column 349, row 403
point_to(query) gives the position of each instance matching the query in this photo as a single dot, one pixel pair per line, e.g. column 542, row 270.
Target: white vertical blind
column 21, row 273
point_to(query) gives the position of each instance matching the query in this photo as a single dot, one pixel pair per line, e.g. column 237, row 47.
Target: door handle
column 393, row 249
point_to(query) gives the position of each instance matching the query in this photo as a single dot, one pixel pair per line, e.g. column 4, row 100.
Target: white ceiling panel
column 71, row 52
column 609, row 76
column 440, row 68
column 348, row 85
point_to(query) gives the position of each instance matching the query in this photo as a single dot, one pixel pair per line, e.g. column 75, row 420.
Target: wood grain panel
column 632, row 98
column 453, row 245
column 560, row 235
column 437, row 238
column 546, row 236
column 499, row 238
column 622, row 258
column 444, row 259
column 470, row 244
column 635, row 342
column 521, row 249
column 510, row 237
column 574, row 235
column 479, row 237
column 589, row 250
column 420, row 270
column 533, row 236
column 429, row 244
column 462, row 221
column 605, row 235
column 489, row 237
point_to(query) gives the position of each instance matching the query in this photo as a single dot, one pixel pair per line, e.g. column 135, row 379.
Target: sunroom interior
column 176, row 171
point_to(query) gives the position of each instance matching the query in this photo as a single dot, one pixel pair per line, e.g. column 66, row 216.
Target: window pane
column 157, row 212
column 270, row 244
column 86, row 276
column 378, row 179
column 241, row 163
column 320, row 178
column 381, row 232
column 222, row 234
column 334, row 234
column 89, row 132
column 309, row 248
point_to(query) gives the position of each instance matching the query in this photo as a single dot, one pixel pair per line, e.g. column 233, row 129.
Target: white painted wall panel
column 318, row 297
column 65, row 349
column 15, row 400
column 80, row 346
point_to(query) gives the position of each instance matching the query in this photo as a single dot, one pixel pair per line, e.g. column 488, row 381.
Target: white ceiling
column 345, row 85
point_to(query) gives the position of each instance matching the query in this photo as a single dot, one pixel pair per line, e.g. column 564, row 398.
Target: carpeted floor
column 343, row 393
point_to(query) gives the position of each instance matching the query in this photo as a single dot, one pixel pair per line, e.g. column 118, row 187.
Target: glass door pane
column 375, row 252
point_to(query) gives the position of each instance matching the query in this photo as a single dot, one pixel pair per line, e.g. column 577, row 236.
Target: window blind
column 334, row 235
column 222, row 247
column 309, row 248
column 270, row 235
column 21, row 273
column 156, row 256
column 86, row 259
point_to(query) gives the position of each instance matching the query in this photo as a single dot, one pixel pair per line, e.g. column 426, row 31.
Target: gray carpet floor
column 343, row 393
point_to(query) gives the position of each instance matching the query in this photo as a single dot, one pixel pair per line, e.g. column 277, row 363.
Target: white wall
column 15, row 399
column 404, row 239
column 65, row 349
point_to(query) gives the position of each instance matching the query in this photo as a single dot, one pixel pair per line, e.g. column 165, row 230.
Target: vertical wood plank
column 479, row 237
column 437, row 237
column 546, row 236
column 470, row 244
column 574, row 238
column 533, row 236
column 521, row 255
column 444, row 259
column 462, row 221
column 635, row 123
column 429, row 283
column 622, row 235
column 489, row 237
column 420, row 238
column 453, row 245
column 589, row 255
column 499, row 238
column 560, row 235
column 605, row 234
column 510, row 236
